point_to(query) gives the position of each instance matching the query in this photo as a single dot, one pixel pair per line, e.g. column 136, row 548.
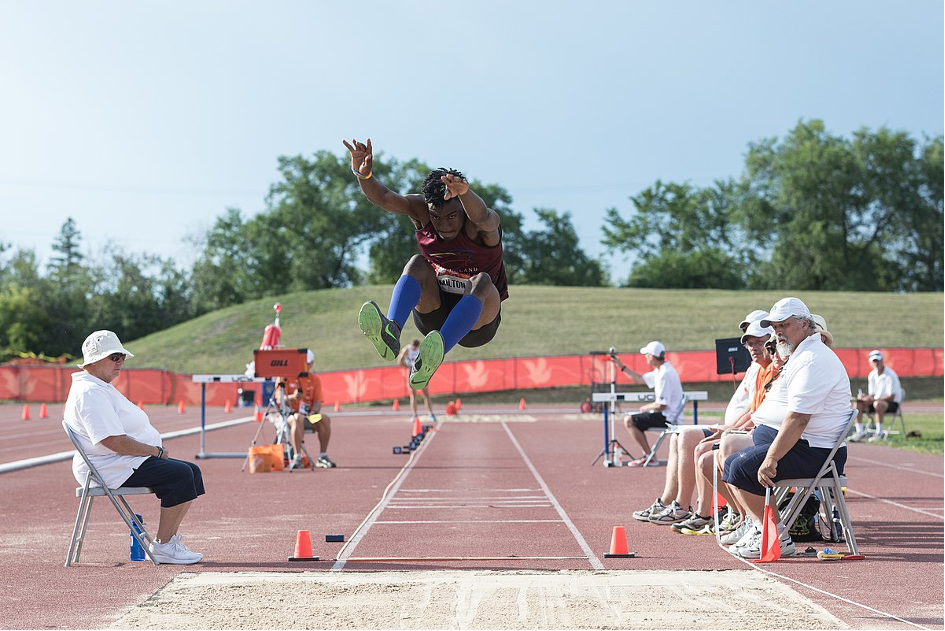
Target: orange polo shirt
column 310, row 385
column 763, row 378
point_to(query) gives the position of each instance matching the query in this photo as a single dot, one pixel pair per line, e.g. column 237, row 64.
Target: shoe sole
column 429, row 359
column 173, row 561
column 371, row 323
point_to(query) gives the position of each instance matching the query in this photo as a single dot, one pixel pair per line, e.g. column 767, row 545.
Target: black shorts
column 174, row 481
column 893, row 406
column 647, row 420
column 434, row 320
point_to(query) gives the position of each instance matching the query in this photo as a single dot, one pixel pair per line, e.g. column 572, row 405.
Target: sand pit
column 734, row 599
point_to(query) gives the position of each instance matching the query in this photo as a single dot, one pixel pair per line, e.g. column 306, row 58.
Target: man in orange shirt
column 304, row 396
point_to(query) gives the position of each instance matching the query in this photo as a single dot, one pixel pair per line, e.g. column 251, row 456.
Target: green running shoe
column 429, row 359
column 383, row 333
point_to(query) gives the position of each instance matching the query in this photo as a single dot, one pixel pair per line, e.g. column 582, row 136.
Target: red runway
column 519, row 485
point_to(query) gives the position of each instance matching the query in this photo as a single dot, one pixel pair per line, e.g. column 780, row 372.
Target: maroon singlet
column 457, row 260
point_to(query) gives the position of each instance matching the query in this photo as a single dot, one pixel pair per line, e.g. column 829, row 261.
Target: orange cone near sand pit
column 417, row 429
column 459, row 404
column 396, row 405
column 337, row 406
column 42, row 411
column 303, row 547
column 257, row 415
column 180, row 407
column 618, row 545
column 227, row 407
column 25, row 415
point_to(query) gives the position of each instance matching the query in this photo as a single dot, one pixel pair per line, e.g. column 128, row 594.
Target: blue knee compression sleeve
column 460, row 321
column 405, row 297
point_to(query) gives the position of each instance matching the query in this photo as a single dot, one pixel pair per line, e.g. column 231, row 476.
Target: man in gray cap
column 798, row 423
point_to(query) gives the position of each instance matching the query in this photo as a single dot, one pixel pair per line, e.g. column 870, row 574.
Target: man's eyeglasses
column 117, row 357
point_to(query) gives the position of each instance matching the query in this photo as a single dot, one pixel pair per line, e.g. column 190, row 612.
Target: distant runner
column 455, row 286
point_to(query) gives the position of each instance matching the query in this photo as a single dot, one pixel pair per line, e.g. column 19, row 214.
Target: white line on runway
column 892, row 466
column 897, row 504
column 591, row 557
column 473, row 521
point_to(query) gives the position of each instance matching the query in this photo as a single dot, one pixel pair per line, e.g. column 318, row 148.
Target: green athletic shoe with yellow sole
column 429, row 359
column 383, row 333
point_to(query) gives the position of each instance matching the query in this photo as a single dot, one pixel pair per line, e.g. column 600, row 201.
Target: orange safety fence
column 153, row 386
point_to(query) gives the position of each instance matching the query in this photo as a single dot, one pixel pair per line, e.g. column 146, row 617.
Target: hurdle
column 610, row 400
column 203, row 380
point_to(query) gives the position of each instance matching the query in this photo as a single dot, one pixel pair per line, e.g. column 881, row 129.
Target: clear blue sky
column 145, row 120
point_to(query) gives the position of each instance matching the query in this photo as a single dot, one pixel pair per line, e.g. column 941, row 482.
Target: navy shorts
column 645, row 420
column 802, row 461
column 174, row 481
column 893, row 406
column 434, row 321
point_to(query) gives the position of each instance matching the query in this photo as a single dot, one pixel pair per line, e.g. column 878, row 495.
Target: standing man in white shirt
column 667, row 396
column 884, row 394
column 797, row 425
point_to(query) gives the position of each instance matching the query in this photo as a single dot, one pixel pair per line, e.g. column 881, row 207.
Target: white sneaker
column 877, row 437
column 856, row 437
column 174, row 552
column 753, row 549
column 736, row 535
column 751, row 533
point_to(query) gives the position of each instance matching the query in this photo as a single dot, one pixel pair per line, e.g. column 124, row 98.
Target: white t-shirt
column 813, row 382
column 96, row 410
column 741, row 400
column 411, row 355
column 665, row 383
column 883, row 385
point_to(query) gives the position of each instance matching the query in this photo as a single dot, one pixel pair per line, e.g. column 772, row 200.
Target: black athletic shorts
column 174, row 481
column 434, row 320
column 893, row 406
column 646, row 420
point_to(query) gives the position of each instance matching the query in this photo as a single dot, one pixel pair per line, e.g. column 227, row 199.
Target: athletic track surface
column 516, row 483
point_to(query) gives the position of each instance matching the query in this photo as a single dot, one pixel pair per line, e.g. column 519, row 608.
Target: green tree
column 681, row 237
column 554, row 255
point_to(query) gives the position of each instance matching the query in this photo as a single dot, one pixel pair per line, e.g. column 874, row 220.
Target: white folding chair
column 671, row 424
column 870, row 426
column 830, row 484
column 87, row 493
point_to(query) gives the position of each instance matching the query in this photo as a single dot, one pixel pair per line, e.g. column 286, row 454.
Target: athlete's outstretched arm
column 486, row 219
column 362, row 163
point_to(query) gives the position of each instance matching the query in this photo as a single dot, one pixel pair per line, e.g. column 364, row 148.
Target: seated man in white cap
column 304, row 396
column 884, row 394
column 667, row 395
column 797, row 424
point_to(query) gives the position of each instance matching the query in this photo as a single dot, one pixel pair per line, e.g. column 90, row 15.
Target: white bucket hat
column 822, row 328
column 100, row 345
column 656, row 349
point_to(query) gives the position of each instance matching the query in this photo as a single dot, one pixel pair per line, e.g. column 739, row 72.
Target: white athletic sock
column 858, row 427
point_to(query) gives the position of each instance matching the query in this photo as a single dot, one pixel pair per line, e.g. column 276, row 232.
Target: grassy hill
column 536, row 320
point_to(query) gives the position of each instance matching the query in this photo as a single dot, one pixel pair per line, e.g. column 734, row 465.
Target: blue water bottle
column 137, row 552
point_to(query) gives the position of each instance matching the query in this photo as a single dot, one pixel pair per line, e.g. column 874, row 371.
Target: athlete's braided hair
column 433, row 187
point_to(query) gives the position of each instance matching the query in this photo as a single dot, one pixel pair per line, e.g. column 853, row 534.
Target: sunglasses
column 117, row 357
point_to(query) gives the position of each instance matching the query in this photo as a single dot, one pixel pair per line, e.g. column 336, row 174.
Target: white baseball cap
column 309, row 356
column 874, row 354
column 656, row 349
column 756, row 330
column 754, row 316
column 99, row 345
column 784, row 309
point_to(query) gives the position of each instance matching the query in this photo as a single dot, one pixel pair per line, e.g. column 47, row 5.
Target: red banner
column 52, row 383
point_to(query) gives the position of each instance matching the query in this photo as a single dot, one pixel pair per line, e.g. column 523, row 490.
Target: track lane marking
column 896, row 504
column 591, row 557
column 472, row 521
column 900, row 467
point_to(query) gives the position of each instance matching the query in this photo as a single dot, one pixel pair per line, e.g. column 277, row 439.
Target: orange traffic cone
column 618, row 545
column 303, row 547
column 257, row 415
column 337, row 406
column 451, row 409
column 396, row 405
column 42, row 411
column 459, row 404
column 141, row 405
column 180, row 407
column 721, row 500
column 26, row 412
column 227, row 407
column 521, row 404
column 417, row 429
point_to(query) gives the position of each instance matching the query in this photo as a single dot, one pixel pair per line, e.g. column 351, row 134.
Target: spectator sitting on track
column 754, row 340
column 667, row 399
column 304, row 396
column 408, row 355
column 798, row 423
column 884, row 394
column 125, row 448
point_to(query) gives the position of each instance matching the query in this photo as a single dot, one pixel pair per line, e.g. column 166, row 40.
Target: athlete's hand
column 455, row 186
column 362, row 156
